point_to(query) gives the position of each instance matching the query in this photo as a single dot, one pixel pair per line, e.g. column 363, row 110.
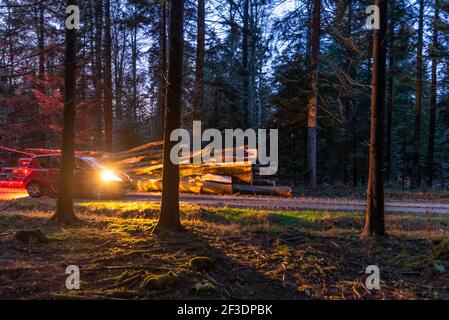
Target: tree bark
column 133, row 111
column 41, row 48
column 199, row 72
column 313, row 99
column 416, row 174
column 169, row 218
column 108, row 78
column 433, row 98
column 64, row 212
column 98, row 123
column 245, row 71
column 375, row 222
column 391, row 49
column 163, row 76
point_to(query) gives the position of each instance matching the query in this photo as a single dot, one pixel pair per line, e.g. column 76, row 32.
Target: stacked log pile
column 144, row 165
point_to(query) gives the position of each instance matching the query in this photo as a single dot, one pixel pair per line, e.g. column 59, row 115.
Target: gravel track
column 277, row 203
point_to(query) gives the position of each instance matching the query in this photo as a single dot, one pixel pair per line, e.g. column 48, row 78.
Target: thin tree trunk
column 199, row 72
column 313, row 100
column 245, row 71
column 216, row 103
column 41, row 42
column 355, row 175
column 169, row 217
column 134, row 77
column 375, row 222
column 64, row 212
column 98, row 79
column 163, row 76
column 118, row 72
column 416, row 175
column 388, row 156
column 41, row 48
column 108, row 78
column 433, row 98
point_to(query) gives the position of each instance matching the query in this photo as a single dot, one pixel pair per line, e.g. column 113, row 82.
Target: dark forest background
column 251, row 71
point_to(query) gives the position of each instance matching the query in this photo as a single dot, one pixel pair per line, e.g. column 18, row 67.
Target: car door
column 54, row 173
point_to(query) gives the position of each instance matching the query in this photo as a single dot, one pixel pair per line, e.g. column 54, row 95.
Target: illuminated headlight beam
column 108, row 175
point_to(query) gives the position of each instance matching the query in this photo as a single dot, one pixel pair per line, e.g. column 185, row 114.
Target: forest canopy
column 255, row 61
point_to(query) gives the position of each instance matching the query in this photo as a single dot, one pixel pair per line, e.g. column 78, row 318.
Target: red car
column 92, row 179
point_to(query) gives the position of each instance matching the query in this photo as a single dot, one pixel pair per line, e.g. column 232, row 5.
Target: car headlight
column 108, row 175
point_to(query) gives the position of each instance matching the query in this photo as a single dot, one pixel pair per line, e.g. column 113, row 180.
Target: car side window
column 34, row 164
column 44, row 162
column 55, row 163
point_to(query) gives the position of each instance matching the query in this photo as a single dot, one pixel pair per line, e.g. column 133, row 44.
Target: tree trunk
column 216, row 103
column 107, row 78
column 199, row 72
column 374, row 222
column 169, row 217
column 416, row 174
column 41, row 48
column 433, row 98
column 163, row 76
column 118, row 74
column 41, row 42
column 133, row 111
column 313, row 100
column 98, row 80
column 391, row 49
column 245, row 71
column 64, row 212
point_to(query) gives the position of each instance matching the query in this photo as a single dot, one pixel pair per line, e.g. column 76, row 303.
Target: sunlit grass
column 114, row 243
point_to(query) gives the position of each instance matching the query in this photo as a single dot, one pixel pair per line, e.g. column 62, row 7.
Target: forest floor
column 244, row 254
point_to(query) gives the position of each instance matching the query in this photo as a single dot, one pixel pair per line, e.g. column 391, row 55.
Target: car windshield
column 94, row 162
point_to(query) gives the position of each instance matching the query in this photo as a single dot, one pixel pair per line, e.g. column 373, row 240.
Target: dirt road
column 301, row 203
column 276, row 203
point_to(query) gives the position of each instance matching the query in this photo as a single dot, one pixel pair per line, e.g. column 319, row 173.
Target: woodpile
column 144, row 165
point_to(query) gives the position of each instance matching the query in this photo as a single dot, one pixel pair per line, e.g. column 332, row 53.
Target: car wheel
column 35, row 190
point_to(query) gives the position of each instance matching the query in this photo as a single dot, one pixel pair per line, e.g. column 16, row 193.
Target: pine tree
column 64, row 211
column 375, row 221
column 169, row 216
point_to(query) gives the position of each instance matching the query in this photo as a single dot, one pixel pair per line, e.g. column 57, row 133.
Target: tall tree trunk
column 107, row 78
column 118, row 74
column 355, row 173
column 64, row 212
column 41, row 41
column 245, row 71
column 133, row 106
column 388, row 155
column 416, row 174
column 199, row 72
column 216, row 103
column 41, row 48
column 375, row 222
column 313, row 99
column 163, row 76
column 169, row 217
column 98, row 94
column 433, row 97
